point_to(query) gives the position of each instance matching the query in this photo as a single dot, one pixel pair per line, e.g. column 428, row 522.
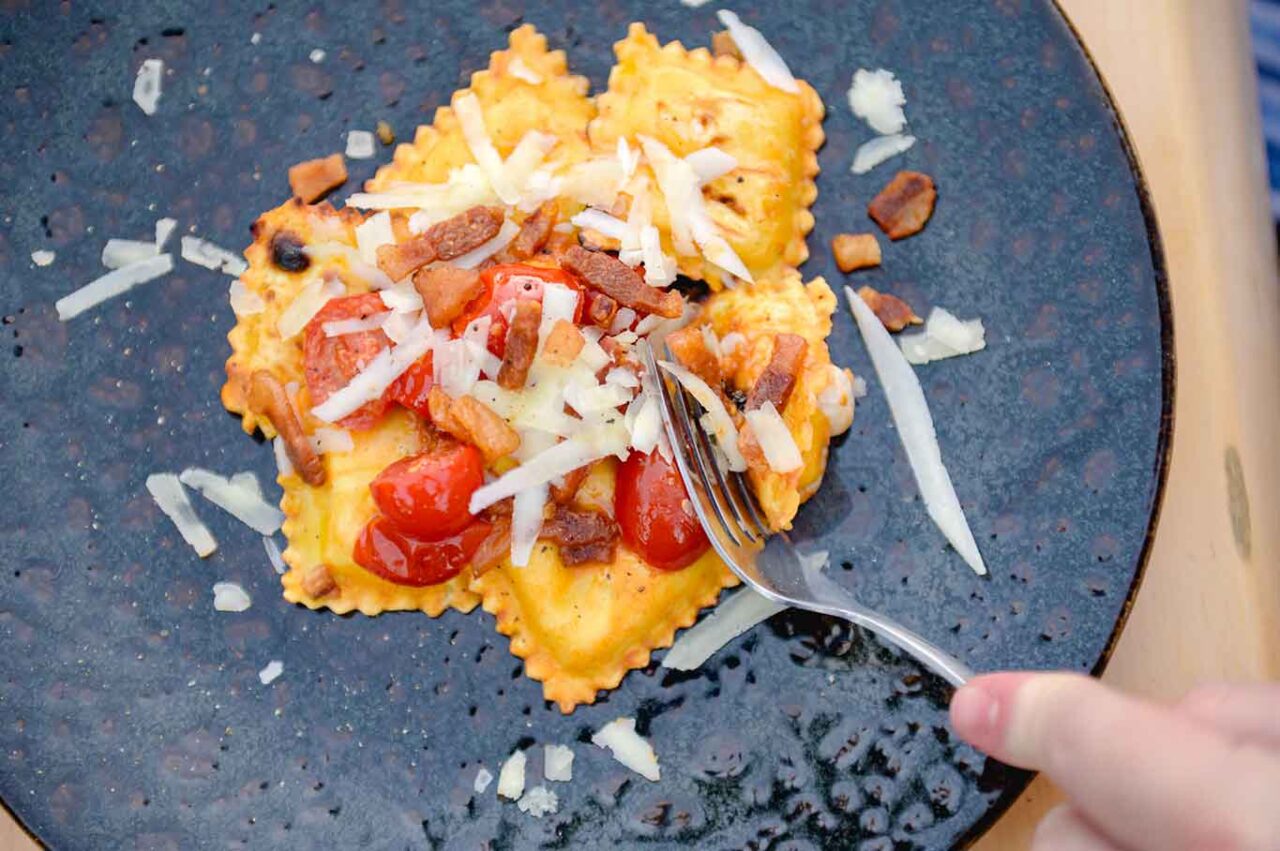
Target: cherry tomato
column 427, row 495
column 414, row 385
column 649, row 502
column 505, row 283
column 329, row 363
column 397, row 557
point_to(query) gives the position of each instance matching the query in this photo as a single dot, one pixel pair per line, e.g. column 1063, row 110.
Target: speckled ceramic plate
column 131, row 714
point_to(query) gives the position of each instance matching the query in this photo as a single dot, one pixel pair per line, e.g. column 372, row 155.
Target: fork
column 768, row 562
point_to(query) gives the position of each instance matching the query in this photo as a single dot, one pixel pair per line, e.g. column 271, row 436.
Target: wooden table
column 1182, row 73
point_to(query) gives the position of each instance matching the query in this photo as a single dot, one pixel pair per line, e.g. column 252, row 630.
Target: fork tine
column 733, row 498
column 743, row 493
column 695, row 438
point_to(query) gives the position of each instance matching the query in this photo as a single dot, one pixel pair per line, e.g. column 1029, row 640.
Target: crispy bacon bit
column 494, row 548
column 855, row 251
column 563, row 343
column 446, row 291
column 522, row 344
column 567, row 489
column 559, row 243
column 267, row 395
column 386, row 135
column 532, row 236
column 318, row 581
column 600, row 310
column 313, row 179
column 722, row 44
column 472, row 421
column 583, row 535
column 620, row 282
column 690, row 348
column 904, row 206
column 779, row 377
column 399, row 260
column 894, row 313
column 456, row 236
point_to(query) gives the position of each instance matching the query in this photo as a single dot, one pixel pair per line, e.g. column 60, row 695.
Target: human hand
column 1203, row 775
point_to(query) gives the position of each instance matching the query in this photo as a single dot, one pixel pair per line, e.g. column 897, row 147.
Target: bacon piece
column 311, row 180
column 855, row 251
column 494, row 548
column 472, row 421
column 446, row 291
column 600, row 310
column 563, row 343
column 583, row 535
column 779, row 377
column 894, row 313
column 621, row 283
column 904, row 206
column 466, row 231
column 532, row 236
column 267, row 395
column 522, row 344
column 399, row 260
column 690, row 348
column 318, row 581
column 568, row 488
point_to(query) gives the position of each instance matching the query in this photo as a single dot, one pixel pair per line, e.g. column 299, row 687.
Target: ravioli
column 322, row 524
column 781, row 303
column 580, row 629
column 256, row 342
column 512, row 106
column 689, row 99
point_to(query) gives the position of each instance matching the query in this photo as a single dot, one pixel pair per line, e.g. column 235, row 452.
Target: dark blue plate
column 130, row 712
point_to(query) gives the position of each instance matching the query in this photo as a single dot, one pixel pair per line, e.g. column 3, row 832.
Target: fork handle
column 930, row 655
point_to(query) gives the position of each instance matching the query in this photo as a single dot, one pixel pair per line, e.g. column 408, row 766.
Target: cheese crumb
column 43, row 257
column 269, row 674
column 360, row 145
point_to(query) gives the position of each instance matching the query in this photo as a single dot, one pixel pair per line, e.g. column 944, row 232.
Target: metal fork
column 768, row 562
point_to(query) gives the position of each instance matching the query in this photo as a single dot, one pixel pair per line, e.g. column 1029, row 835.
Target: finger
column 1064, row 830
column 1146, row 776
column 1246, row 712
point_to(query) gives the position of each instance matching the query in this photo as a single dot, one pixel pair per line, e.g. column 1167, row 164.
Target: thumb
column 1142, row 774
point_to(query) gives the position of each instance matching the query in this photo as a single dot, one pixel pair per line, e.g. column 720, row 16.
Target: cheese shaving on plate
column 944, row 336
column 206, row 254
column 878, row 150
column 511, row 776
column 914, row 423
column 112, row 284
column 374, row 379
column 147, row 85
column 716, row 421
column 361, row 145
column 273, row 670
column 538, row 802
column 711, row 163
column 373, row 233
column 274, row 556
column 876, row 97
column 619, row 737
column 483, row 778
column 471, row 119
column 43, row 257
column 775, row 439
column 164, row 229
column 118, row 253
column 244, row 301
column 239, row 495
column 731, row 618
column 557, row 763
column 170, row 496
column 465, row 187
column 230, row 597
column 758, row 53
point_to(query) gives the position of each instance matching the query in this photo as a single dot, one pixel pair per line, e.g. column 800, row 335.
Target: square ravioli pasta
column 690, row 100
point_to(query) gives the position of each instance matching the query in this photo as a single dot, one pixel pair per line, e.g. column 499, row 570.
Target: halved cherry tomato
column 329, row 363
column 649, row 502
column 506, row 283
column 427, row 495
column 414, row 385
column 404, row 559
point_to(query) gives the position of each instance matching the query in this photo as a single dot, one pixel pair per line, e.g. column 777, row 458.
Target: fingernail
column 975, row 714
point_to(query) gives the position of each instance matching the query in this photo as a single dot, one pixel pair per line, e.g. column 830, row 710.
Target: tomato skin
column 390, row 553
column 329, row 363
column 648, row 502
column 427, row 495
column 505, row 283
column 413, row 387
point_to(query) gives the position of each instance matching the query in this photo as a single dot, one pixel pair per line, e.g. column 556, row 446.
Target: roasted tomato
column 654, row 512
column 505, row 283
column 414, row 385
column 329, row 363
column 386, row 551
column 427, row 495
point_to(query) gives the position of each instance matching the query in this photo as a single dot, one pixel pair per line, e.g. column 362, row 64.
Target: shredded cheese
column 112, row 284
column 239, row 495
column 271, row 672
column 372, row 381
column 775, row 439
column 230, row 597
column 758, row 53
column 361, row 145
column 118, row 253
column 373, row 233
column 619, row 737
column 147, row 85
column 206, row 254
column 305, row 305
column 169, row 495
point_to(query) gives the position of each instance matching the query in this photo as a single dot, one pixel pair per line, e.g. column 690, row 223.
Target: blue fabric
column 1265, row 18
